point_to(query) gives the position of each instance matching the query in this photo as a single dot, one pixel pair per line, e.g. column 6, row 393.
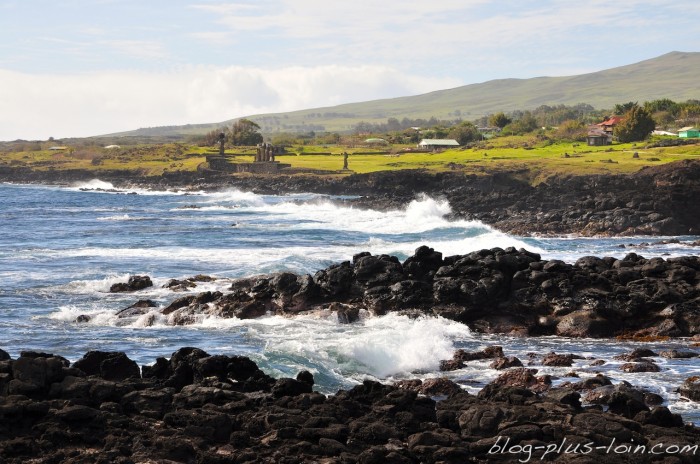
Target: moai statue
column 222, row 139
column 345, row 161
column 258, row 152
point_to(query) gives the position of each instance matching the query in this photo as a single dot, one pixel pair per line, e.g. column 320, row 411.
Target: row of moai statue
column 265, row 152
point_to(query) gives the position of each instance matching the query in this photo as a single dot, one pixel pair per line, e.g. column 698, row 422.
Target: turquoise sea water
column 61, row 249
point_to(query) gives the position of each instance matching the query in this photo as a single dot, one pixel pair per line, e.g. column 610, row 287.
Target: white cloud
column 406, row 34
column 39, row 106
column 299, row 54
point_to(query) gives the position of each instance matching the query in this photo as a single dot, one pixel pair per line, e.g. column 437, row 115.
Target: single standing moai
column 222, row 139
column 345, row 161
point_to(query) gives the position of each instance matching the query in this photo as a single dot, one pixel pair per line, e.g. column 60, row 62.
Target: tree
column 526, row 123
column 663, row 104
column 499, row 120
column 624, row 107
column 439, row 132
column 464, row 133
column 245, row 132
column 573, row 130
column 636, row 125
column 393, row 125
column 689, row 113
column 212, row 137
column 242, row 132
column 363, row 127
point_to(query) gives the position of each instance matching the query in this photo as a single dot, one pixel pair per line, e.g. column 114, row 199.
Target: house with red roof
column 609, row 124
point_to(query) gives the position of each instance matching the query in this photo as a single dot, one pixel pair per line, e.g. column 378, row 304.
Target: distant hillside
column 673, row 75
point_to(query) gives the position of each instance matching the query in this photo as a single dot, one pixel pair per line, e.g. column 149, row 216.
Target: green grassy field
column 524, row 156
column 536, row 162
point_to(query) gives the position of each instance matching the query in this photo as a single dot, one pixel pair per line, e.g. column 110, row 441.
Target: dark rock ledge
column 493, row 291
column 197, row 408
column 657, row 200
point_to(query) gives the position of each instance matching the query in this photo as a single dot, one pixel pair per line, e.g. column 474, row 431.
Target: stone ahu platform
column 223, row 163
column 264, row 161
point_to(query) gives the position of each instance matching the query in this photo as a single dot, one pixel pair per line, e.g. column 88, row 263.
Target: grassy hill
column 673, row 75
column 526, row 157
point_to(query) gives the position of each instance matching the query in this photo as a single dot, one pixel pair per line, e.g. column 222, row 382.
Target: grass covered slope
column 524, row 156
column 147, row 160
column 510, row 154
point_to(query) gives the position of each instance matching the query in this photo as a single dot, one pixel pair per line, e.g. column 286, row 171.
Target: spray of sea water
column 63, row 248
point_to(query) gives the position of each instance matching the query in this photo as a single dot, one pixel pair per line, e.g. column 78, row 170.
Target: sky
column 74, row 68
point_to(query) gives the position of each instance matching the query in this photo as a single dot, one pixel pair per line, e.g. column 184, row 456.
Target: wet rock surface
column 493, row 291
column 134, row 284
column 195, row 407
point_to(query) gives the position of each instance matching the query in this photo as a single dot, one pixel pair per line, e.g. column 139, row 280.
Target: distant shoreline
column 655, row 201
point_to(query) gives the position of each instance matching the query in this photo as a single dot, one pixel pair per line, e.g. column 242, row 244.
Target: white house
column 432, row 144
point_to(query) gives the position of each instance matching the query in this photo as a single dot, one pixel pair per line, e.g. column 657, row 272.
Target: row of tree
column 666, row 112
column 571, row 122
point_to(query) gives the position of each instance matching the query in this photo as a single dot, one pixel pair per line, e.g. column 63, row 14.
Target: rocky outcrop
column 493, row 291
column 196, row 407
column 652, row 201
column 134, row 284
column 691, row 388
column 178, row 285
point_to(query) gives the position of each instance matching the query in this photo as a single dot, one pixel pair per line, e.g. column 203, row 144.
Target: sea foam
column 381, row 345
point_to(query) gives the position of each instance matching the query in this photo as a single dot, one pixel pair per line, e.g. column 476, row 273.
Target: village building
column 609, row 124
column 433, row 144
column 689, row 132
column 598, row 137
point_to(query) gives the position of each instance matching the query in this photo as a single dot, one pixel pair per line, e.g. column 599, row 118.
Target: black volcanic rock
column 110, row 365
column 210, row 418
column 493, row 291
column 134, row 284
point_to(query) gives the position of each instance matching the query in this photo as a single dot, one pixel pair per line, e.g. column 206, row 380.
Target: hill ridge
column 672, row 75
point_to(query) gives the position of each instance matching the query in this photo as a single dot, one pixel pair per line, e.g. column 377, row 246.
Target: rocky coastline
column 197, row 408
column 502, row 291
column 653, row 201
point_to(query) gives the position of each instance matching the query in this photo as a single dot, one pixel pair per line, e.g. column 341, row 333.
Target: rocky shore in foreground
column 653, row 201
column 505, row 291
column 198, row 408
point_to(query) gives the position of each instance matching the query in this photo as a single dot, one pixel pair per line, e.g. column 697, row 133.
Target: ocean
column 61, row 248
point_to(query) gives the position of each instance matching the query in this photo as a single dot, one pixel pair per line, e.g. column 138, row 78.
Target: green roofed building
column 432, row 144
column 689, row 133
